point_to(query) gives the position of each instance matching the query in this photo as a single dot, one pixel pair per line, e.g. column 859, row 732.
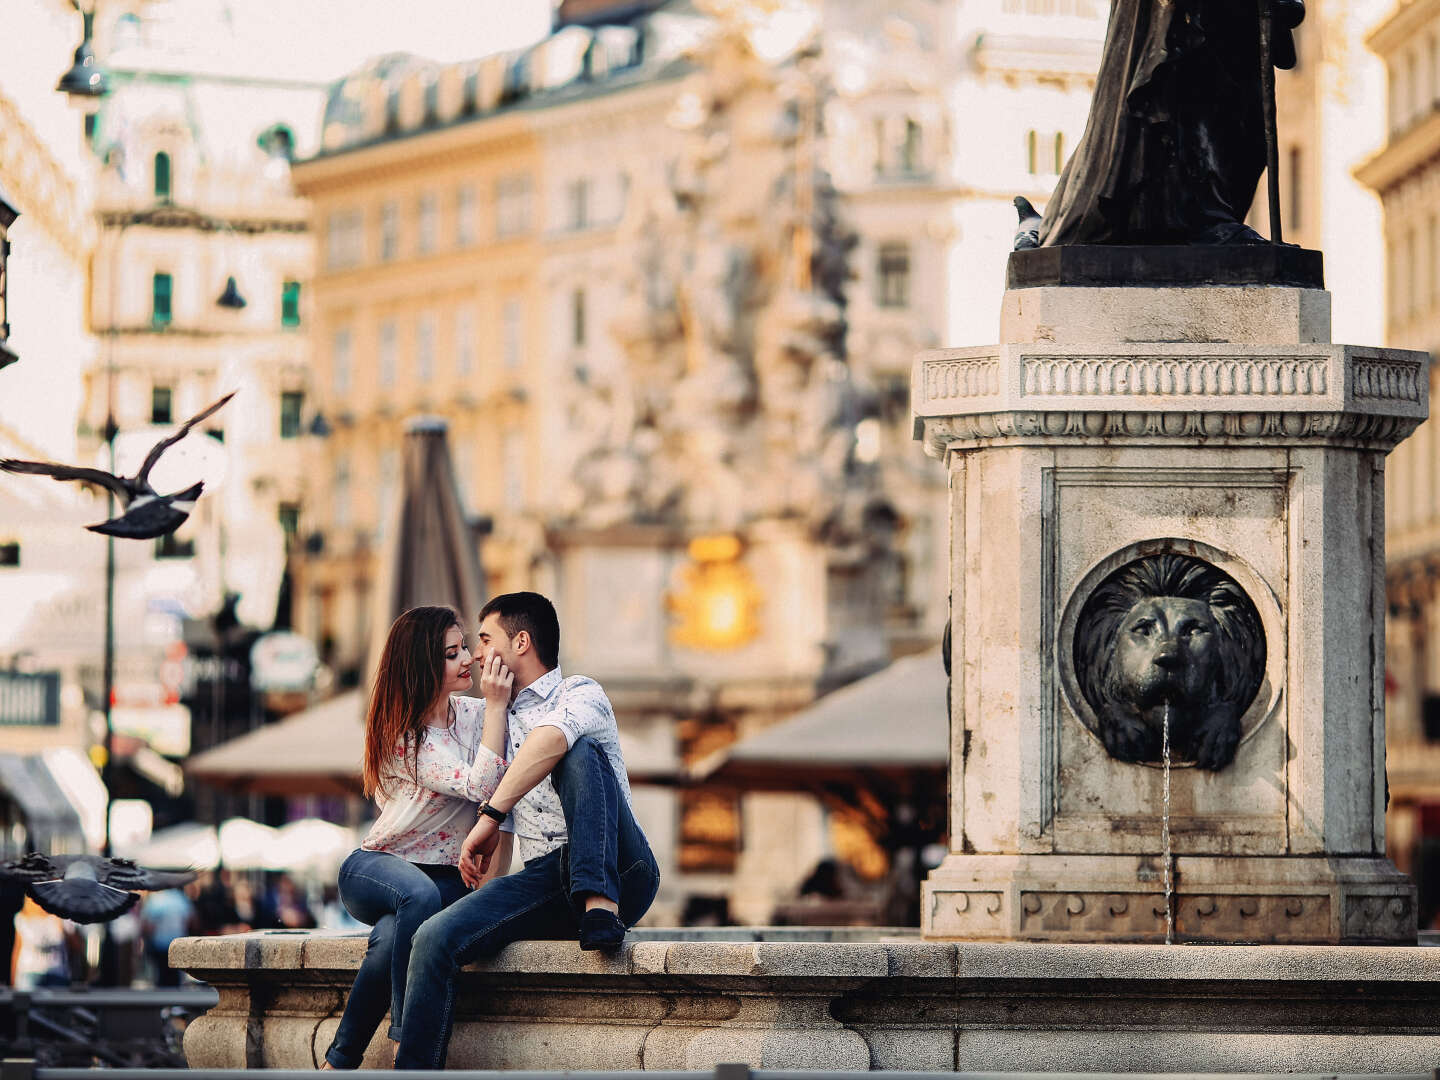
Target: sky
column 325, row 39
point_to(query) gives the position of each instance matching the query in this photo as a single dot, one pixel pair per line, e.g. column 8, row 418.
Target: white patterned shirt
column 428, row 823
column 577, row 706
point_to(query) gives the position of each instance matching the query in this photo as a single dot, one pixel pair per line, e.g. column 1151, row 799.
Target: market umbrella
column 430, row 554
column 313, row 752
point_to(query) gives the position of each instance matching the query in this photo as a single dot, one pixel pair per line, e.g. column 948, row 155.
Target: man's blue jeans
column 606, row 854
column 395, row 896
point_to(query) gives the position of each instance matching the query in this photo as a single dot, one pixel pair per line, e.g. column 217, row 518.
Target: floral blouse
column 428, row 823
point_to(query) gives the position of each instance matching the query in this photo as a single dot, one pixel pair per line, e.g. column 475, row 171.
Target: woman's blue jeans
column 395, row 896
column 606, row 853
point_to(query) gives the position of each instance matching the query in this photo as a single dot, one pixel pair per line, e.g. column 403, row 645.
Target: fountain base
column 1121, row 898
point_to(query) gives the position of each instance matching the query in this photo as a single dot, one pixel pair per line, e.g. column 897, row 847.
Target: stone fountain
column 1168, row 500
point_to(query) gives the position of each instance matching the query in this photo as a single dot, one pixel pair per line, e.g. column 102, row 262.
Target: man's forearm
column 536, row 759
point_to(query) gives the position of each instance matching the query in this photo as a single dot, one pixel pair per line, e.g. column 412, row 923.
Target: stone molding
column 852, row 1005
column 1345, row 394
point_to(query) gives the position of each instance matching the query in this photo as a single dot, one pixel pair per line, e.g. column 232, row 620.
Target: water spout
column 1165, row 831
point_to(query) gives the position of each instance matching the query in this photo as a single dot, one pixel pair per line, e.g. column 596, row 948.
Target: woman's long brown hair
column 407, row 685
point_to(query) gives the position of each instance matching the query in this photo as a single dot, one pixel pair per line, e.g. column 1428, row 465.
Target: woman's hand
column 497, row 683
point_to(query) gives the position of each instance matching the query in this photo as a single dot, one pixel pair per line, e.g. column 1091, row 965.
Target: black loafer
column 601, row 929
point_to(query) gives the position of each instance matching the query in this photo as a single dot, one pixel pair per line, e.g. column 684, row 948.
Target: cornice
column 1169, row 393
column 1405, row 153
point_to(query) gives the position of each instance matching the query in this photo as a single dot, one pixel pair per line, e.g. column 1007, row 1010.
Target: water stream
column 1165, row 831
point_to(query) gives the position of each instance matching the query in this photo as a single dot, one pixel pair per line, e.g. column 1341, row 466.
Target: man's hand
column 477, row 850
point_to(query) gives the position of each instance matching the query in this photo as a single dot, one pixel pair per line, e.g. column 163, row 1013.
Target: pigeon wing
column 32, row 868
column 124, row 874
column 82, row 901
column 170, row 440
column 70, row 472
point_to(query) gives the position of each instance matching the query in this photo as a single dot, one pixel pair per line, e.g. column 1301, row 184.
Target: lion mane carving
column 1169, row 636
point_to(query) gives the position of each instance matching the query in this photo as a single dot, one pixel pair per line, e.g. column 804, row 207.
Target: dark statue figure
column 1176, row 139
column 1169, row 637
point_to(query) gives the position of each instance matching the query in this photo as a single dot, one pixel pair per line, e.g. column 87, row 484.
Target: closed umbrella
column 430, row 555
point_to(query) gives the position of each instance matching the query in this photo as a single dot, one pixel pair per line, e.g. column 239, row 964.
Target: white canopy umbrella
column 313, row 846
column 247, row 845
column 190, row 845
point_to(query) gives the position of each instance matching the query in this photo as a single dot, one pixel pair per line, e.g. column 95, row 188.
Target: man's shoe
column 601, row 929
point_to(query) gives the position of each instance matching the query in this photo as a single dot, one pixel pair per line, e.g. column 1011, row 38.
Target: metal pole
column 1267, row 103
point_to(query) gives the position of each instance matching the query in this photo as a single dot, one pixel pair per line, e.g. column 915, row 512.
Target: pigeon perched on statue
column 1028, row 234
column 88, row 888
column 147, row 513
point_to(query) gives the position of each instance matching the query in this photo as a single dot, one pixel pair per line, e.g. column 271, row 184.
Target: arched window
column 162, row 176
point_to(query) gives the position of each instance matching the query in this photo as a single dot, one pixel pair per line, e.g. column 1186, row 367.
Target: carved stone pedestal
column 1167, row 511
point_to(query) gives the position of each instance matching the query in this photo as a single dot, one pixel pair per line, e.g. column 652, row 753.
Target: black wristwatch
column 492, row 812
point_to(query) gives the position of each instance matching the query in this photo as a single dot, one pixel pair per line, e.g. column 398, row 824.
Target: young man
column 588, row 869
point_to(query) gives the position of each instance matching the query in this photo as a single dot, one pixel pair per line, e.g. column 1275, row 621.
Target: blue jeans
column 606, row 854
column 395, row 896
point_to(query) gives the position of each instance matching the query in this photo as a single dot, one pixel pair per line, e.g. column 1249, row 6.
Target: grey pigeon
column 88, row 888
column 1028, row 234
column 148, row 514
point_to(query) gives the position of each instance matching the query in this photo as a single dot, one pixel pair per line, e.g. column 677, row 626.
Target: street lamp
column 86, row 78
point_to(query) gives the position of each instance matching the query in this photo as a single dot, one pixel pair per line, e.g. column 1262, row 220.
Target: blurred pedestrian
column 165, row 916
column 286, row 906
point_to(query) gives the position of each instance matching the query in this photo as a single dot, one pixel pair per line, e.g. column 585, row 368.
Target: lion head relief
column 1169, row 638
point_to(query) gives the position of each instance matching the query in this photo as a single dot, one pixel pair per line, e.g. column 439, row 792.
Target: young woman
column 429, row 759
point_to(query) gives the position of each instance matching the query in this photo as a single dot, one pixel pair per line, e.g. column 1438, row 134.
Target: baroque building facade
column 1405, row 173
column 664, row 273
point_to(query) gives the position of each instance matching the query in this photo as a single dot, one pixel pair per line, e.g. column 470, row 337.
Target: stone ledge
column 880, row 1004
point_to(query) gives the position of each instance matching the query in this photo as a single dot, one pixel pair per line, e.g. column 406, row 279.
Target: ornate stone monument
column 1168, row 544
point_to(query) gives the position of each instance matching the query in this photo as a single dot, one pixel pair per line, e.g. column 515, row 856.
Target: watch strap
column 493, row 812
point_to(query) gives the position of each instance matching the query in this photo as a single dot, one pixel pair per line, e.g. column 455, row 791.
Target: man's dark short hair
column 532, row 613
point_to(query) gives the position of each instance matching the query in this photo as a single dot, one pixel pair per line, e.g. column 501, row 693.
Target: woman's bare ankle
column 595, row 900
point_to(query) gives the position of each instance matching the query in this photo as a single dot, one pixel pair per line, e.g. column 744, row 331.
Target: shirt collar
column 544, row 686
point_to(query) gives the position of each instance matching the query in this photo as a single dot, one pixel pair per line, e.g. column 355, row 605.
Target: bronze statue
column 1177, row 139
column 1169, row 637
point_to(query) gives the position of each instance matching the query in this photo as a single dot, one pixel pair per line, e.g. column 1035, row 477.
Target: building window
column 160, row 290
column 911, row 149
column 1059, row 152
column 464, row 341
column 577, row 203
column 511, row 341
column 288, row 515
column 879, row 145
column 425, row 348
column 427, row 215
column 342, row 239
column 171, row 546
column 512, row 466
column 9, row 552
column 292, row 402
column 1032, row 151
column 512, row 205
column 389, row 487
column 466, row 218
column 290, row 303
column 577, row 318
column 389, row 231
column 340, row 358
column 162, row 177
column 161, row 405
column 340, row 494
column 389, row 352
column 892, row 276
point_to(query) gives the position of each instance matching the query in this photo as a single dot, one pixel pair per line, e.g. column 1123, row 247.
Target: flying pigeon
column 1028, row 234
column 148, row 514
column 87, row 888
